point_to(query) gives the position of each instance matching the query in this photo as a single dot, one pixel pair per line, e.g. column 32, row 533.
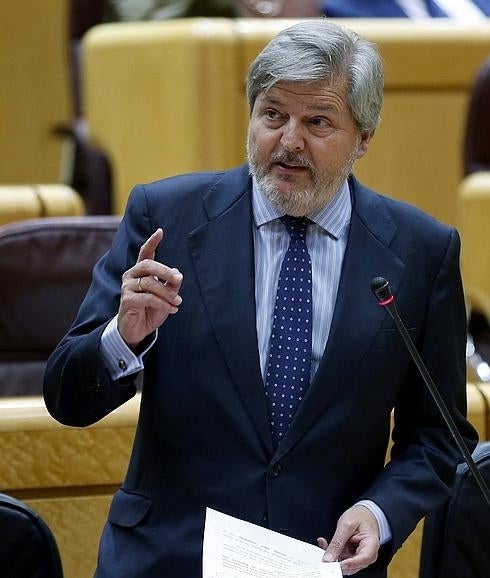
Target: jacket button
column 275, row 470
column 96, row 385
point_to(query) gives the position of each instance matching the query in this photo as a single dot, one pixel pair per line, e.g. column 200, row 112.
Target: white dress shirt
column 326, row 239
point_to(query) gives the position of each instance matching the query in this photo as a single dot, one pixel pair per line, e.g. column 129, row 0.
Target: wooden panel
column 46, row 459
column 415, row 155
column 159, row 97
column 69, row 475
column 405, row 563
column 485, row 391
column 474, row 198
column 41, row 453
column 478, row 411
column 77, row 523
column 35, row 89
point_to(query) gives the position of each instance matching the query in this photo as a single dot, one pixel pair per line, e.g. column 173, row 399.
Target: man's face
column 302, row 143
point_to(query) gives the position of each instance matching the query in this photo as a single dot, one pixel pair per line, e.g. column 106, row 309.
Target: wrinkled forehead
column 329, row 79
column 314, row 94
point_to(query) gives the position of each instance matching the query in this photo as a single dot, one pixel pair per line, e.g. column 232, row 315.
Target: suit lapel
column 357, row 317
column 223, row 256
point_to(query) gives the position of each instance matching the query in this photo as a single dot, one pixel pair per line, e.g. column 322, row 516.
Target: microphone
column 381, row 289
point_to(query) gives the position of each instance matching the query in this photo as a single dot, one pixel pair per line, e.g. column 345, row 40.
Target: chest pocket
column 390, row 339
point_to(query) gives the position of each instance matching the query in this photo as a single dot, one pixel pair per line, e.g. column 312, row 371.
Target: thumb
column 322, row 543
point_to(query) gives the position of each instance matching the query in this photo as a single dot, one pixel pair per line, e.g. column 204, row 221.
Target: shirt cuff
column 383, row 524
column 119, row 360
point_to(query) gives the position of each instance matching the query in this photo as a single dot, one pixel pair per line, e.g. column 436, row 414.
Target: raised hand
column 149, row 294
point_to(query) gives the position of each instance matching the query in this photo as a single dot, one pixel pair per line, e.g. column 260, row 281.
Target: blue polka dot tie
column 288, row 370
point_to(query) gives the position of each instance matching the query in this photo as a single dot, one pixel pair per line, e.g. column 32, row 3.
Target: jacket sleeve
column 424, row 455
column 78, row 390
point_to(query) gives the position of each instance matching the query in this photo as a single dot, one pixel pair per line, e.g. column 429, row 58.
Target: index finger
column 147, row 250
column 337, row 544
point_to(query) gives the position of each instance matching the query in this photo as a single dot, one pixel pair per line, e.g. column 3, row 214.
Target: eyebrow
column 267, row 100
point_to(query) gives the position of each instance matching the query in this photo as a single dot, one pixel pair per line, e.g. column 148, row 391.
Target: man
column 462, row 10
column 270, row 370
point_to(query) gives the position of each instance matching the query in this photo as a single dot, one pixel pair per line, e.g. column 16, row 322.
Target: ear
column 364, row 143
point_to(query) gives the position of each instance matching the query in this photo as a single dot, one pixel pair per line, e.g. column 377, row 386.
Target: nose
column 292, row 138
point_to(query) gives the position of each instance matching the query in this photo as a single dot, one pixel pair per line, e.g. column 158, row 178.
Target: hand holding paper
column 355, row 542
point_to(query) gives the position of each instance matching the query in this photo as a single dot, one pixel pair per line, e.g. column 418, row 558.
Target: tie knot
column 296, row 226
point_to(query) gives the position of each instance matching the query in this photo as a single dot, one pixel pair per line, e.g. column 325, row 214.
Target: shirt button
column 275, row 470
column 122, row 364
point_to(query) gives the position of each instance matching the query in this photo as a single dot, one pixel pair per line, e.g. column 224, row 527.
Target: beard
column 301, row 200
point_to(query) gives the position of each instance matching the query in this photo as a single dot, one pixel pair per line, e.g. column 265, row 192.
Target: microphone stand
column 381, row 289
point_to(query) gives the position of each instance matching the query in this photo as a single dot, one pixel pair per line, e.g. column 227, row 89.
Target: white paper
column 236, row 549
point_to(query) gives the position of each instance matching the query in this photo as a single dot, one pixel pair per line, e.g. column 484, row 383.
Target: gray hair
column 321, row 50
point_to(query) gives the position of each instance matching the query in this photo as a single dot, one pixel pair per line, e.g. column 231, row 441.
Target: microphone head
column 381, row 289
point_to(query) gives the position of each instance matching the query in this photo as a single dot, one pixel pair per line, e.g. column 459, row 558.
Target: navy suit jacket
column 203, row 437
column 377, row 8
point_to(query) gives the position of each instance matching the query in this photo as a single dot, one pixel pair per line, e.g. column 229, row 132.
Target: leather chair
column 28, row 548
column 457, row 535
column 476, row 152
column 45, row 270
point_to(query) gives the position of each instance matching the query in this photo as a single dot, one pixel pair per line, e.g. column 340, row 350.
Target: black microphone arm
column 381, row 289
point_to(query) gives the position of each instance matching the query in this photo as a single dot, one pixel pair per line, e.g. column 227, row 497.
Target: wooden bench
column 68, row 475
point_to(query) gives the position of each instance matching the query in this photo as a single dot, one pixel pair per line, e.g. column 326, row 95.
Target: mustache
column 290, row 158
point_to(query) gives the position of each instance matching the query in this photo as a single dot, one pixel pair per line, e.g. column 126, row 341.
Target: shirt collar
column 333, row 217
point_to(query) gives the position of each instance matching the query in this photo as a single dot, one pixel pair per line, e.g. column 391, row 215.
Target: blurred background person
column 463, row 10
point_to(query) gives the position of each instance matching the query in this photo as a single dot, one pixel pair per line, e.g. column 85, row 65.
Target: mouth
column 290, row 168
